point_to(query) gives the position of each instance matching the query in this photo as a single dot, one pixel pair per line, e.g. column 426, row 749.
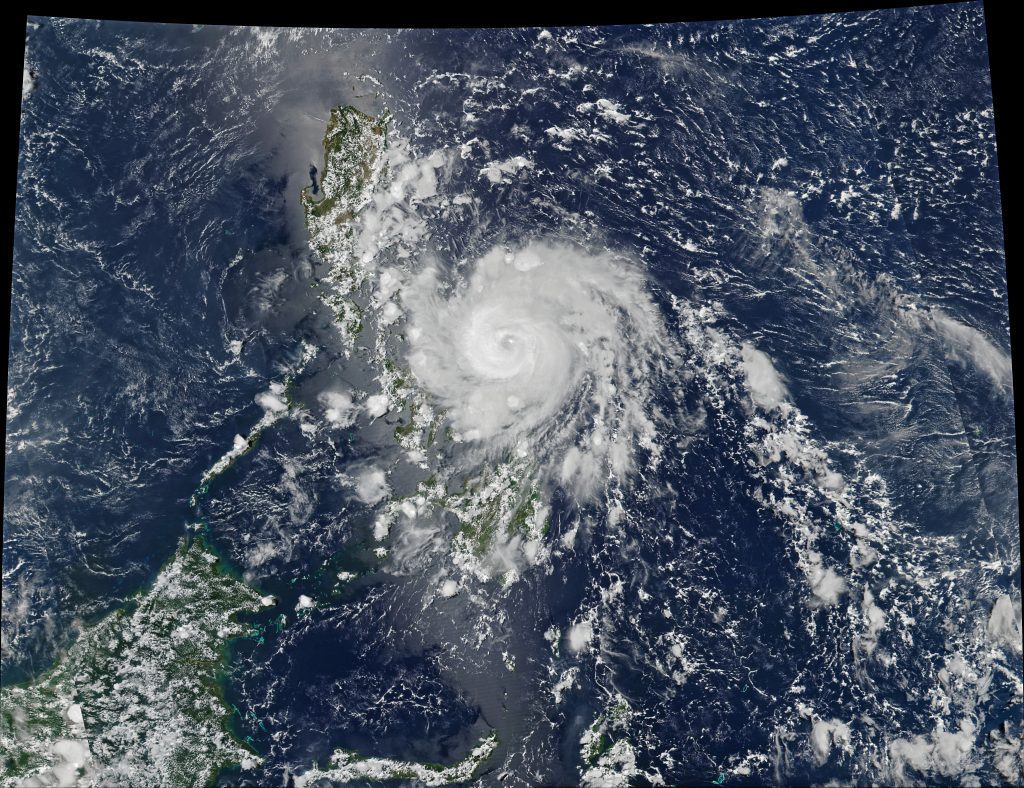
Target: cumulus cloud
column 496, row 171
column 449, row 588
column 766, row 387
column 273, row 400
column 370, row 484
column 1009, row 755
column 339, row 409
column 874, row 618
column 377, row 405
column 826, row 585
column 825, row 734
column 580, row 635
column 612, row 111
column 943, row 753
column 1004, row 623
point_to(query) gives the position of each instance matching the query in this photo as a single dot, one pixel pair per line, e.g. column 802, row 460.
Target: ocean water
column 727, row 299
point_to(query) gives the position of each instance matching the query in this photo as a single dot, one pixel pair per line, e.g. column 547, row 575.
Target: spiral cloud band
column 547, row 350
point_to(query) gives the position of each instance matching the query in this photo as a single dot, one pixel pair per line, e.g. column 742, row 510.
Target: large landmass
column 138, row 699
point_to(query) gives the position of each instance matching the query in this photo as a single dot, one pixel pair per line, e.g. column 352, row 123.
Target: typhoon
column 530, row 370
column 548, row 352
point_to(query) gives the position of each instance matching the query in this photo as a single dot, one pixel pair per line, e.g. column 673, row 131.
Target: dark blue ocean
column 827, row 186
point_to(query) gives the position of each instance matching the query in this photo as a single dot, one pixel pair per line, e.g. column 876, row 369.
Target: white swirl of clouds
column 548, row 351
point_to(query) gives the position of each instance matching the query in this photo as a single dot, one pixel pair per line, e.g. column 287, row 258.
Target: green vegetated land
column 137, row 699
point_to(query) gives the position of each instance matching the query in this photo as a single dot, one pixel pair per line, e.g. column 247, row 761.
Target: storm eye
column 508, row 341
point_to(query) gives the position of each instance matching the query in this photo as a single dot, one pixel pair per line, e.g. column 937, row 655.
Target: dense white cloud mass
column 540, row 347
column 825, row 734
column 376, row 405
column 945, row 753
column 826, row 585
column 1004, row 623
column 371, row 485
column 339, row 409
column 273, row 400
column 766, row 387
